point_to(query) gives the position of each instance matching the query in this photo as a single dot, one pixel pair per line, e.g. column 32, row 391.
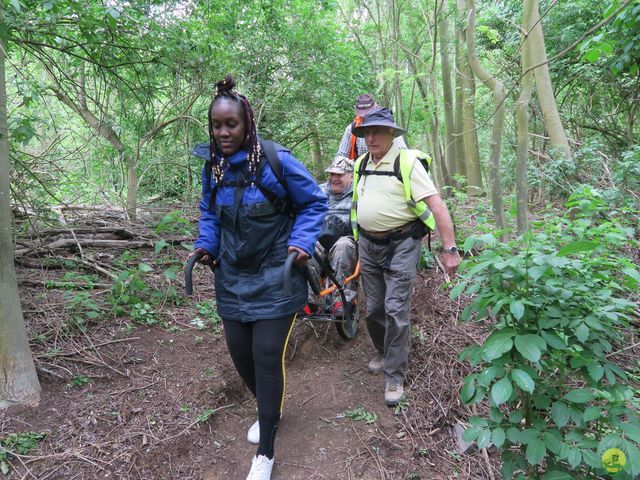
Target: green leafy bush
column 20, row 443
column 81, row 308
column 555, row 304
column 174, row 222
column 129, row 289
column 130, row 294
column 362, row 415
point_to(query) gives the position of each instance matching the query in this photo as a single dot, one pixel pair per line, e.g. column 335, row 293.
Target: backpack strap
column 362, row 164
column 282, row 205
column 269, row 152
column 362, row 169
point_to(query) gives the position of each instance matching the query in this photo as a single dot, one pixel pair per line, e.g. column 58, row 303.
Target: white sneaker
column 261, row 467
column 253, row 435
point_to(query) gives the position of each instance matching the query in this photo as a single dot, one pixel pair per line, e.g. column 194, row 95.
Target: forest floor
column 152, row 394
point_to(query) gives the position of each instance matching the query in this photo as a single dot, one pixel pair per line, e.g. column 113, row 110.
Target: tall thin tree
column 544, row 88
column 497, row 87
column 522, row 122
column 466, row 111
column 18, row 379
column 452, row 155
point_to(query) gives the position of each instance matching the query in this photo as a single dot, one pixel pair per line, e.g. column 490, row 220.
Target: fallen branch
column 90, row 347
column 617, row 352
column 71, row 243
column 62, row 284
column 375, row 457
column 116, row 231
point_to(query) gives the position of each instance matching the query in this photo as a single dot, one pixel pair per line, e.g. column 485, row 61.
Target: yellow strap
column 284, row 373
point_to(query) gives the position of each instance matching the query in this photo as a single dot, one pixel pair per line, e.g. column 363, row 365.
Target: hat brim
column 359, row 130
column 335, row 170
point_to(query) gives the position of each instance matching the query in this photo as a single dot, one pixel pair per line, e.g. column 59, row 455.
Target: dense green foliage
column 135, row 80
column 109, row 98
column 558, row 305
column 96, row 89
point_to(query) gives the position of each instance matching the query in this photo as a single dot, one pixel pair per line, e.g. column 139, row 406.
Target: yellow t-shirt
column 381, row 202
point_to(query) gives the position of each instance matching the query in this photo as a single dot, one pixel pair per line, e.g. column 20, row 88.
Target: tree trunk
column 471, row 159
column 132, row 189
column 522, row 123
column 548, row 105
column 18, row 379
column 397, row 83
column 497, row 87
column 439, row 163
column 316, row 149
column 631, row 116
column 187, row 153
column 452, row 155
column 443, row 175
column 460, row 101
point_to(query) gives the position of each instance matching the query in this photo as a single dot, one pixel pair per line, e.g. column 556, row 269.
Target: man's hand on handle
column 447, row 234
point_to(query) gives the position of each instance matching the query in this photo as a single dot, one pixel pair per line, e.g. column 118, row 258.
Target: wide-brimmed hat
column 381, row 117
column 364, row 103
column 340, row 164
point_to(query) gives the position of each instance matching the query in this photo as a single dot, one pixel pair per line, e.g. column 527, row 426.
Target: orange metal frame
column 350, row 278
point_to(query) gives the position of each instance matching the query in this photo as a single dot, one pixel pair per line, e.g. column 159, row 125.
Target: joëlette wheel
column 348, row 327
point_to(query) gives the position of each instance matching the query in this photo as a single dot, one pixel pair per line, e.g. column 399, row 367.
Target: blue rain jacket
column 249, row 238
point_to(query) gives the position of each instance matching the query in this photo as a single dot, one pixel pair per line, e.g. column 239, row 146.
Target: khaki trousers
column 388, row 275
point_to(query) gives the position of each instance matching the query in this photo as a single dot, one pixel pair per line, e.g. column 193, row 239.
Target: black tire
column 348, row 327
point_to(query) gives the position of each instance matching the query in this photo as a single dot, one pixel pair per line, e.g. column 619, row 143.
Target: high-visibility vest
column 402, row 168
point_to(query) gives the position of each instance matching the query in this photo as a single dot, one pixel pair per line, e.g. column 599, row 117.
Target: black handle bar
column 286, row 283
column 286, row 286
column 188, row 271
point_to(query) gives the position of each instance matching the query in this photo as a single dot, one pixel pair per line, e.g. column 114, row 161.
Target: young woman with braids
column 248, row 235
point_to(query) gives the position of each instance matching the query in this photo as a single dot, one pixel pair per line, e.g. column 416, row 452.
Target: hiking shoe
column 393, row 393
column 253, row 434
column 376, row 365
column 261, row 467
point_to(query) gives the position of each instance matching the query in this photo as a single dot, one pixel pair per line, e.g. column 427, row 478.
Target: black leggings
column 257, row 350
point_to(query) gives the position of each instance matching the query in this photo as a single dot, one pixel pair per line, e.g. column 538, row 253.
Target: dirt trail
column 316, row 439
column 124, row 401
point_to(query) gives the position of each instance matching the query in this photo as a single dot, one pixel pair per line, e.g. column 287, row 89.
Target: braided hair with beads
column 227, row 89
